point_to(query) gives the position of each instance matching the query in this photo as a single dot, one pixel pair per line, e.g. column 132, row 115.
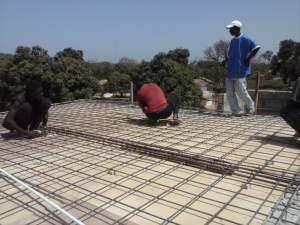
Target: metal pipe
column 42, row 197
column 131, row 92
column 256, row 91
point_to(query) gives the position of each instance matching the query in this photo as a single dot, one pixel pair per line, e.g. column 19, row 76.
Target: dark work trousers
column 291, row 114
column 29, row 116
column 172, row 108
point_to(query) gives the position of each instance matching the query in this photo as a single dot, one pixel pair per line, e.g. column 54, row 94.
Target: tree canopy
column 170, row 71
column 66, row 76
column 212, row 66
column 287, row 61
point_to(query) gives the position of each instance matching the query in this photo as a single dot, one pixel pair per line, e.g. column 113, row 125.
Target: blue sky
column 139, row 29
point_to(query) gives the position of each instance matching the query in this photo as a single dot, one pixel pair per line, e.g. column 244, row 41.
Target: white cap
column 234, row 23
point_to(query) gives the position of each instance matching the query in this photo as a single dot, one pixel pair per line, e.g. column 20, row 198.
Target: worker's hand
column 33, row 134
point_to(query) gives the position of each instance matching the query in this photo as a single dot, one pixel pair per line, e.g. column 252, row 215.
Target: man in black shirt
column 291, row 112
column 28, row 111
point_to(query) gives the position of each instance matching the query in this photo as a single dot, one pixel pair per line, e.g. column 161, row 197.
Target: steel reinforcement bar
column 173, row 155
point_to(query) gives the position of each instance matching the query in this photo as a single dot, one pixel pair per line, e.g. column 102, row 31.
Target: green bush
column 171, row 71
column 64, row 77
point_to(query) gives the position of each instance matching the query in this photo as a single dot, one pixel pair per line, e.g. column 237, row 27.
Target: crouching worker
column 154, row 104
column 291, row 112
column 29, row 110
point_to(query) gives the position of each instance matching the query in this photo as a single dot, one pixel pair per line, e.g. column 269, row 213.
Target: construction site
column 103, row 163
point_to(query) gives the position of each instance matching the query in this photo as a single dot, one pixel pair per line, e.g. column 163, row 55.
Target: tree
column 119, row 79
column 26, row 64
column 126, row 60
column 102, row 70
column 22, row 53
column 217, row 52
column 73, row 75
column 143, row 72
column 179, row 55
column 70, row 53
column 210, row 70
column 64, row 77
column 118, row 83
column 213, row 66
column 127, row 66
column 6, row 82
column 287, row 61
column 266, row 56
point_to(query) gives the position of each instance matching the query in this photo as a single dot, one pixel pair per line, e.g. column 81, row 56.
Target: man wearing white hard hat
column 241, row 50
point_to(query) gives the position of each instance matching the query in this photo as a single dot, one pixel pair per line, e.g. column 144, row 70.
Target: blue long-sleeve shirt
column 239, row 49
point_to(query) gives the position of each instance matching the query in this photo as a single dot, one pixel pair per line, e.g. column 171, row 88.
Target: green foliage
column 127, row 66
column 118, row 83
column 287, row 61
column 212, row 70
column 119, row 75
column 7, row 83
column 70, row 53
column 102, row 70
column 179, row 55
column 5, row 59
column 74, row 77
column 172, row 73
column 217, row 52
column 26, row 63
column 212, row 66
column 65, row 77
column 266, row 56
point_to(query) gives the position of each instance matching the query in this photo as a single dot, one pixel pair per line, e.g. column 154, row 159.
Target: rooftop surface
column 105, row 164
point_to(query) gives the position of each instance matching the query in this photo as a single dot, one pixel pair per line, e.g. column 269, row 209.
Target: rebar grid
column 104, row 183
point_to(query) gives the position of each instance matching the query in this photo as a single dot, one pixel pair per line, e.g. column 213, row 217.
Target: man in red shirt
column 154, row 104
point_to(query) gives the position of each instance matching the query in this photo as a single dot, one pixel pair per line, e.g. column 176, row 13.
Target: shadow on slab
column 147, row 122
column 11, row 136
column 279, row 141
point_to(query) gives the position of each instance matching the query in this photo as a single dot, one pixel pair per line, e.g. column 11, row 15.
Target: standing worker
column 241, row 50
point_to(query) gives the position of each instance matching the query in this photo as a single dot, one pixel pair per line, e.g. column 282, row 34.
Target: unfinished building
column 104, row 164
